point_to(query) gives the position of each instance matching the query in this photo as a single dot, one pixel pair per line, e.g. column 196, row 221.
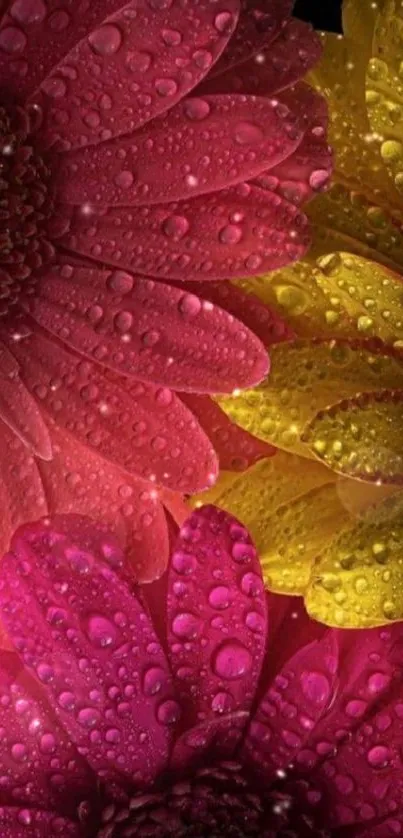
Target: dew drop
column 315, row 687
column 106, row 40
column 247, row 133
column 378, row 757
column 219, row 597
column 153, row 680
column 186, row 626
column 28, row 11
column 101, row 632
column 232, row 660
column 230, row 234
column 190, row 305
column 224, row 22
column 196, row 109
column 169, row 712
column 175, row 227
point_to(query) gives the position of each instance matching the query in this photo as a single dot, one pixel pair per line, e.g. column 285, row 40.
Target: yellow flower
column 327, row 511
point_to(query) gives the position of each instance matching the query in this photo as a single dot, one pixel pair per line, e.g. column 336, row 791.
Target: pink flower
column 228, row 712
column 145, row 149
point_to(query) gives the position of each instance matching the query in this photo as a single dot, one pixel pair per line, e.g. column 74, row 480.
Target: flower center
column 215, row 803
column 25, row 206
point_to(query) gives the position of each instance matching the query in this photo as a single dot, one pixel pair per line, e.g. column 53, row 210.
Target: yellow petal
column 339, row 295
column 225, row 480
column 307, row 377
column 358, row 580
column 359, row 18
column 361, row 437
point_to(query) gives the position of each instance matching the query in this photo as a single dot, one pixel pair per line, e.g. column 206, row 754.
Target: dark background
column 323, row 14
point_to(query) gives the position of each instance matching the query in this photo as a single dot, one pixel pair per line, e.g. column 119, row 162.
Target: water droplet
column 166, row 87
column 379, row 756
column 123, row 321
column 190, row 305
column 89, row 717
column 169, row 712
column 356, row 708
column 230, row 234
column 378, row 681
column 171, row 37
column 232, row 660
column 186, row 625
column 12, row 40
column 153, row 680
column 247, row 133
column 196, row 108
column 47, row 743
column 28, row 11
column 315, row 687
column 251, row 584
column 242, row 552
column 224, row 22
column 106, row 40
column 318, row 179
column 124, row 179
column 255, row 622
column 101, row 632
column 183, row 563
column 219, row 597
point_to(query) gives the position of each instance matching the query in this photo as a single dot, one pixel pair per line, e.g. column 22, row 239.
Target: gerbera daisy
column 234, row 714
column 335, row 393
column 132, row 159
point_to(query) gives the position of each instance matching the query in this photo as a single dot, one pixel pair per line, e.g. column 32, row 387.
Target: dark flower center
column 215, row 803
column 25, row 205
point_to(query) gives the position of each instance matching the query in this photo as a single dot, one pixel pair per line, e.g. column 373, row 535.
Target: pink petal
column 387, row 828
column 212, row 740
column 216, row 617
column 139, row 63
column 14, row 821
column 236, row 449
column 21, row 492
column 39, row 764
column 41, row 35
column 259, row 24
column 308, row 170
column 18, row 409
column 356, row 749
column 79, row 481
column 262, row 320
column 240, row 232
column 291, row 707
column 144, row 429
column 86, row 638
column 172, row 160
column 148, row 330
column 296, row 49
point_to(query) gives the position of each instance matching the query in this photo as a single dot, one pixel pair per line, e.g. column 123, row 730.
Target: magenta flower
column 233, row 715
column 142, row 144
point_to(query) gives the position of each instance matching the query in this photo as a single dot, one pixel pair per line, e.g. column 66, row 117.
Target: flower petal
column 39, row 765
column 131, row 70
column 306, row 377
column 14, row 821
column 73, row 620
column 237, row 232
column 41, row 36
column 357, row 580
column 259, row 24
column 235, row 448
column 274, row 499
column 79, row 481
column 158, row 438
column 216, row 616
column 361, row 437
column 148, row 330
column 292, row 705
column 288, row 58
column 18, row 409
column 248, row 134
column 22, row 497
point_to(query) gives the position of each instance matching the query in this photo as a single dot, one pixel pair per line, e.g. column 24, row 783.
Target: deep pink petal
column 144, row 429
column 79, row 481
column 387, row 828
column 355, row 752
column 21, row 492
column 212, row 740
column 295, row 701
column 132, row 68
column 307, row 171
column 216, row 617
column 289, row 57
column 240, row 232
column 263, row 321
column 148, row 330
column 86, row 638
column 171, row 159
column 259, row 24
column 19, row 410
column 39, row 764
column 15, row 821
column 41, row 35
column 236, row 449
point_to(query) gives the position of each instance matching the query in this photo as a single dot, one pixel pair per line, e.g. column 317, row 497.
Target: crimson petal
column 296, row 49
column 132, row 68
column 73, row 622
column 32, row 740
column 239, row 232
column 79, row 481
column 148, row 330
column 236, row 449
column 170, row 160
column 259, row 24
column 21, row 492
column 18, row 409
column 216, row 617
column 158, row 438
column 14, row 821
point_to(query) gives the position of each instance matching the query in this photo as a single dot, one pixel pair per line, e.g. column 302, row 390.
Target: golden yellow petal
column 359, row 18
column 358, row 580
column 225, row 480
column 339, row 295
column 361, row 437
column 307, row 377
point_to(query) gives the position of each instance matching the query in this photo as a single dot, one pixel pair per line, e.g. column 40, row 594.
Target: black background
column 323, row 14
